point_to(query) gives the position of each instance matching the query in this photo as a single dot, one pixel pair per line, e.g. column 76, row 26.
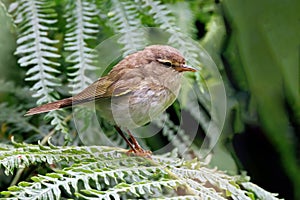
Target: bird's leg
column 134, row 145
column 125, row 138
column 133, row 140
column 139, row 150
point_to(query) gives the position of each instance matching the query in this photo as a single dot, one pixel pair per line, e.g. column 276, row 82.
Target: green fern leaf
column 37, row 52
column 124, row 17
column 80, row 28
column 105, row 172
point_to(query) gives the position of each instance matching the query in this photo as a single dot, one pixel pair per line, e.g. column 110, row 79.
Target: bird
column 137, row 89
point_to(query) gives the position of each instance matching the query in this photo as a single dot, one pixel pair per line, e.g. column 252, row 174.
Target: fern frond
column 215, row 178
column 26, row 154
column 34, row 18
column 80, row 28
column 184, row 16
column 14, row 116
column 259, row 192
column 104, row 172
column 184, row 197
column 125, row 19
column 176, row 136
column 136, row 189
column 169, row 130
column 94, row 131
column 190, row 101
column 21, row 93
column 91, row 173
column 6, row 11
column 204, row 192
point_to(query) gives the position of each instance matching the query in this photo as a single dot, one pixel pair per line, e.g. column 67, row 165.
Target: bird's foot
column 140, row 152
column 135, row 148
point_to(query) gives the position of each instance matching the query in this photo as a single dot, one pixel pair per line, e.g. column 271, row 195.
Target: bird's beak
column 185, row 68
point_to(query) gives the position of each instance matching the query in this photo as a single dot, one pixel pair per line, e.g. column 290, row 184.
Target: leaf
column 36, row 50
column 80, row 28
column 124, row 176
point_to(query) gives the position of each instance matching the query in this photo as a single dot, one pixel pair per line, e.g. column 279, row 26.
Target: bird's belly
column 136, row 109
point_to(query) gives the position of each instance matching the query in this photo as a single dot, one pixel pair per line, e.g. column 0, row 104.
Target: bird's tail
column 50, row 106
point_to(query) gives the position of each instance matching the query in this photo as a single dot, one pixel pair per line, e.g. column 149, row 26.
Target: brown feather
column 50, row 106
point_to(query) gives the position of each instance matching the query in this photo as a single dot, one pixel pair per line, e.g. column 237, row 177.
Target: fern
column 105, row 172
column 22, row 93
column 184, row 17
column 80, row 28
column 99, row 172
column 4, row 11
column 125, row 19
column 258, row 191
column 181, row 141
column 34, row 18
column 15, row 120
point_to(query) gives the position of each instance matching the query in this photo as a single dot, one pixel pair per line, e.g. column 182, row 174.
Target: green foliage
column 79, row 29
column 124, row 17
column 34, row 20
column 15, row 120
column 258, row 53
column 21, row 93
column 104, row 172
column 56, row 46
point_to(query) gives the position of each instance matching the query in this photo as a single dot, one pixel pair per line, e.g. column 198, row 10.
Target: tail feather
column 50, row 106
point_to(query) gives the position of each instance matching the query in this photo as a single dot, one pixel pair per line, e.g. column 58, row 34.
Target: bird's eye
column 165, row 62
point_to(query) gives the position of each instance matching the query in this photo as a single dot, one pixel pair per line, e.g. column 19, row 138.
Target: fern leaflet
column 34, row 19
column 124, row 17
column 104, row 172
column 80, row 28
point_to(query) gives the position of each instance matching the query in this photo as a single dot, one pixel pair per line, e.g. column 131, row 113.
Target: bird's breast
column 149, row 99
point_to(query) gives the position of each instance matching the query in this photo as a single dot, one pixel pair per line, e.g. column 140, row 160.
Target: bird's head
column 169, row 57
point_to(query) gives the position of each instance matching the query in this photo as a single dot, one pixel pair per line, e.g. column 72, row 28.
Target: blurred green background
column 261, row 57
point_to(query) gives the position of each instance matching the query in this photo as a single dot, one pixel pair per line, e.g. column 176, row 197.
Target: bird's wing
column 109, row 86
column 124, row 85
column 96, row 90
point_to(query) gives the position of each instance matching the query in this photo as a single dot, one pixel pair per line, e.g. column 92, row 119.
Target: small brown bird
column 136, row 90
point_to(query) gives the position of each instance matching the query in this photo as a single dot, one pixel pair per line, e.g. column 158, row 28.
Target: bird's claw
column 139, row 152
